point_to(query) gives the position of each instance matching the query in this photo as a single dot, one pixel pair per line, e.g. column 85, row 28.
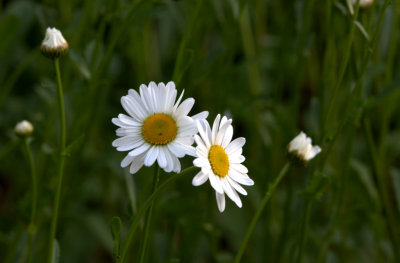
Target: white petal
column 177, row 165
column 240, row 178
column 203, row 133
column 137, row 100
column 237, row 186
column 221, row 132
column 126, row 140
column 313, row 152
column 151, row 156
column 220, row 201
column 240, row 168
column 230, row 192
column 141, row 149
column 185, row 107
column 171, row 95
column 128, row 120
column 201, row 151
column 227, row 136
column 176, row 149
column 170, row 161
column 145, row 95
column 199, row 179
column 236, row 158
column 137, row 163
column 235, row 144
column 200, row 162
column 161, row 97
column 215, row 127
column 127, row 160
column 201, row 115
column 215, row 183
column 178, row 101
column 133, row 109
column 162, row 159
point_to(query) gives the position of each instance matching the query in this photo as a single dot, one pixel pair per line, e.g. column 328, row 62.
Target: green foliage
column 276, row 67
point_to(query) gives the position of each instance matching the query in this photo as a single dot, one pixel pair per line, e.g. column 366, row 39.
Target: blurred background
column 275, row 67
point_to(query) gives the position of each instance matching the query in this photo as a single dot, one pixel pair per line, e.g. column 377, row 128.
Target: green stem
column 61, row 161
column 31, row 228
column 383, row 189
column 260, row 209
column 345, row 61
column 144, row 208
column 149, row 215
column 304, row 231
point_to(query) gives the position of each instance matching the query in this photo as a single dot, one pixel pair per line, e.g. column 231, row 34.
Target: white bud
column 301, row 147
column 364, row 3
column 54, row 44
column 23, row 128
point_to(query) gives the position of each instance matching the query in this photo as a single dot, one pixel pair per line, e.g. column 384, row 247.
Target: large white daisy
column 220, row 160
column 157, row 128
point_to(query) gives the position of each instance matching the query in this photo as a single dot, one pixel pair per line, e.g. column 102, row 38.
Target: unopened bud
column 54, row 44
column 301, row 148
column 23, row 128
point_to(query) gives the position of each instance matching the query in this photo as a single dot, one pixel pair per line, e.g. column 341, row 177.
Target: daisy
column 156, row 128
column 301, row 148
column 220, row 160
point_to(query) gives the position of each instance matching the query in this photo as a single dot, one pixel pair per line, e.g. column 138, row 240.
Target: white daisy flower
column 157, row 128
column 301, row 147
column 54, row 44
column 220, row 160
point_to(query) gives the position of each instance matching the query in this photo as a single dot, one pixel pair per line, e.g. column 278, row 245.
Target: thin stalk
column 304, row 231
column 383, row 189
column 260, row 209
column 144, row 208
column 31, row 228
column 149, row 215
column 393, row 43
column 346, row 56
column 61, row 160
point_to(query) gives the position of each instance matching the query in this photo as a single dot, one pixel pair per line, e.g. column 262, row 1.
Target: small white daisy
column 220, row 160
column 157, row 128
column 301, row 147
column 54, row 44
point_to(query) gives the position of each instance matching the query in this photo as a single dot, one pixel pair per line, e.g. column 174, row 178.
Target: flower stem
column 61, row 161
column 304, row 231
column 264, row 202
column 31, row 228
column 149, row 215
column 144, row 208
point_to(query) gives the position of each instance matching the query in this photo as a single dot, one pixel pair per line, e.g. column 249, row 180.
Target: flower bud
column 364, row 3
column 54, row 44
column 23, row 128
column 301, row 148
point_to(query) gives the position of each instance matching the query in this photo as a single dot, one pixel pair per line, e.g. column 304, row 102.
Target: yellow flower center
column 159, row 129
column 219, row 160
